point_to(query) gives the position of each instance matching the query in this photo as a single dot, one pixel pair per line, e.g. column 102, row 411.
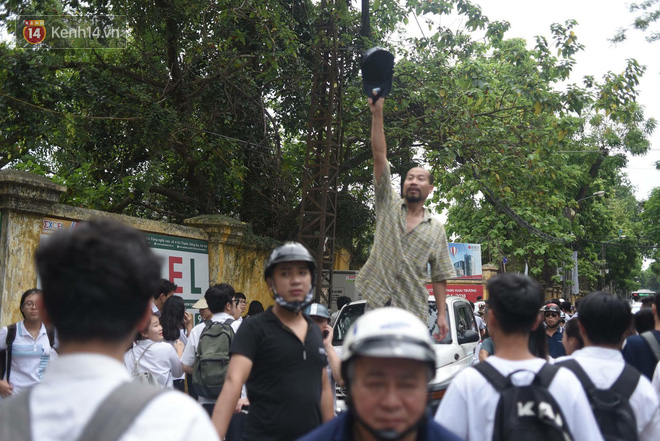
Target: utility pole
column 318, row 213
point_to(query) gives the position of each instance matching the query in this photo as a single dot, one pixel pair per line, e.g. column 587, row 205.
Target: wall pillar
column 488, row 271
column 24, row 200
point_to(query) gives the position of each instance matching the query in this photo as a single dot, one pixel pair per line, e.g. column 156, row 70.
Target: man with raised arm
column 407, row 238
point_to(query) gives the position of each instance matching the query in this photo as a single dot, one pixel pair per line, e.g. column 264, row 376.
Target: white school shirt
column 75, row 385
column 29, row 357
column 468, row 408
column 190, row 351
column 604, row 367
column 656, row 379
column 160, row 359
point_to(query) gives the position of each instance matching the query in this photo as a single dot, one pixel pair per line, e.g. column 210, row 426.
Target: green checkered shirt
column 396, row 268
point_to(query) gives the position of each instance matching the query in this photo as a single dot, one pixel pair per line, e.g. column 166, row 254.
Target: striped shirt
column 29, row 358
column 396, row 268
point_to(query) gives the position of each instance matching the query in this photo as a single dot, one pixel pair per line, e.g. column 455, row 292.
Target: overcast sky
column 598, row 21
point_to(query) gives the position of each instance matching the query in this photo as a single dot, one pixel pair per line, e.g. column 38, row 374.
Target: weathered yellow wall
column 26, row 199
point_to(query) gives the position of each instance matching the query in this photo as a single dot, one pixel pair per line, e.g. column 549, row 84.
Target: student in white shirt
column 30, row 351
column 468, row 408
column 152, row 354
column 656, row 380
column 177, row 324
column 97, row 282
column 221, row 302
column 603, row 319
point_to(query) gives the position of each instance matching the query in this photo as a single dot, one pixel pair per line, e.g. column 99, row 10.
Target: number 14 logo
column 34, row 31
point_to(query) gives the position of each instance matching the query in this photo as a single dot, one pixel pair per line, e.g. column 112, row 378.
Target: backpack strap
column 547, row 373
column 497, row 380
column 118, row 411
column 15, row 417
column 50, row 332
column 579, row 372
column 137, row 362
column 653, row 344
column 11, row 336
column 627, row 382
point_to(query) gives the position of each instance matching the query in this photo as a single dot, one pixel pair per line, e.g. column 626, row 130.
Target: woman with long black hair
column 176, row 323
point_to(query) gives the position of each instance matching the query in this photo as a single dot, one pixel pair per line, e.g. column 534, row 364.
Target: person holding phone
column 321, row 316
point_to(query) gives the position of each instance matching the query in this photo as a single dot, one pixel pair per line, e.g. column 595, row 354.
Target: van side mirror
column 468, row 336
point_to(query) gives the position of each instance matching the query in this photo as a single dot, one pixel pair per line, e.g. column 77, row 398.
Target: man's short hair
column 240, row 295
column 515, row 300
column 97, row 280
column 656, row 301
column 165, row 287
column 565, row 306
column 605, row 317
column 218, row 296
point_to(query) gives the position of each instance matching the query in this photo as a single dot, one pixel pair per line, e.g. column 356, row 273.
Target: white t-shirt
column 604, row 367
column 29, row 357
column 75, row 385
column 656, row 379
column 190, row 351
column 159, row 358
column 468, row 408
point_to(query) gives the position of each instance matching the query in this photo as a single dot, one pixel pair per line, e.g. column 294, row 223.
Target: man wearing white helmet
column 279, row 356
column 387, row 362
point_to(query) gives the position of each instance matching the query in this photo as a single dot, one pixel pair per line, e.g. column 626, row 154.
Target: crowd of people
column 106, row 350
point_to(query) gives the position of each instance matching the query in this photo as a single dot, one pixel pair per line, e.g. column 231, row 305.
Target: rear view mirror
column 468, row 336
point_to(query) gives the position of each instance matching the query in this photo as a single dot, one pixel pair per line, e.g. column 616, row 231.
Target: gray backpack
column 112, row 418
column 212, row 358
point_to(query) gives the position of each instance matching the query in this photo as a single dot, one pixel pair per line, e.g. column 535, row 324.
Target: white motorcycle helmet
column 387, row 333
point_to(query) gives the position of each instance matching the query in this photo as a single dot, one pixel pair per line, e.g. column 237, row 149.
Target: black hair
column 605, row 317
column 343, row 301
column 643, row 320
column 255, row 308
column 171, row 318
column 515, row 300
column 565, row 306
column 240, row 295
column 139, row 335
column 97, row 280
column 538, row 343
column 217, row 297
column 25, row 295
column 656, row 302
column 165, row 287
column 572, row 329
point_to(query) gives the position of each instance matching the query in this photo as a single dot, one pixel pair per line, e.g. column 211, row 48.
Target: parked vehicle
column 456, row 352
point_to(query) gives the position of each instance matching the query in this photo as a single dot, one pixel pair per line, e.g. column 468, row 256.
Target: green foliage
column 206, row 112
column 648, row 13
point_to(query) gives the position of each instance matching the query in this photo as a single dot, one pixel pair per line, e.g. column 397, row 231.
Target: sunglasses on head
column 550, row 314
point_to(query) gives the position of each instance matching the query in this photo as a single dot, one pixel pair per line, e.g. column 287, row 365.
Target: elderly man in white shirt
column 108, row 271
column 603, row 319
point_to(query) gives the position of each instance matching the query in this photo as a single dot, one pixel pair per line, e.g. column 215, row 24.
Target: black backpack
column 212, row 358
column 526, row 412
column 611, row 407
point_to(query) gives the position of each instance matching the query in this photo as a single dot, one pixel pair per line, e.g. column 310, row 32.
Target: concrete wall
column 235, row 255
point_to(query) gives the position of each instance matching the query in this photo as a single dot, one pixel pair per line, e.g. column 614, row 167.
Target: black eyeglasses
column 550, row 314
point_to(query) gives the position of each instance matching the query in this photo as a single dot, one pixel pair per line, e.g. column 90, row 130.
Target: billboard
column 469, row 292
column 466, row 258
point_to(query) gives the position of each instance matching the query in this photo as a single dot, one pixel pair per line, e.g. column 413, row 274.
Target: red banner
column 470, row 292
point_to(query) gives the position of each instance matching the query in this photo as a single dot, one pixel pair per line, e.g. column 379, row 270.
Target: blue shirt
column 555, row 348
column 638, row 353
column 340, row 428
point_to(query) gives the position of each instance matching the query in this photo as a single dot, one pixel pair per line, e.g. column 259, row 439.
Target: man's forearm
column 378, row 144
column 440, row 293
